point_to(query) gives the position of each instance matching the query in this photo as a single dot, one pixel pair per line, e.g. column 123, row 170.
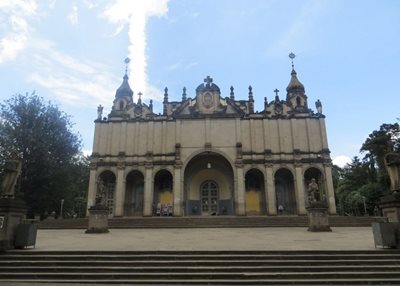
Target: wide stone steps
column 378, row 267
column 208, row 222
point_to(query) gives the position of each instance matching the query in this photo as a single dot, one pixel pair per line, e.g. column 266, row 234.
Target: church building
column 210, row 155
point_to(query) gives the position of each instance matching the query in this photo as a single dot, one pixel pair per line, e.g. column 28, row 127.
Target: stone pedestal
column 98, row 219
column 390, row 206
column 318, row 217
column 12, row 213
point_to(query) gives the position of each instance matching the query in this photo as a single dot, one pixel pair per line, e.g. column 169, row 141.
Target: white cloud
column 135, row 15
column 16, row 28
column 341, row 160
column 73, row 81
column 73, row 16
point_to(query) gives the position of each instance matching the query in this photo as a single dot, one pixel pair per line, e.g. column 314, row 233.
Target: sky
column 72, row 53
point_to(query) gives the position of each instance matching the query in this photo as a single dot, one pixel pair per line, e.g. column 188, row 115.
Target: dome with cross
column 208, row 85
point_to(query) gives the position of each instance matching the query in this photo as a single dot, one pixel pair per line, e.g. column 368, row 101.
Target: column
column 91, row 198
column 178, row 194
column 330, row 190
column 148, row 191
column 240, row 191
column 120, row 191
column 301, row 208
column 270, row 191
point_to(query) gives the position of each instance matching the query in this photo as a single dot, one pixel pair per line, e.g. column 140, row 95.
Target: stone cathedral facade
column 210, row 155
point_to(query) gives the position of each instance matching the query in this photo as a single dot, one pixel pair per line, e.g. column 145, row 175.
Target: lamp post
column 61, row 208
column 365, row 206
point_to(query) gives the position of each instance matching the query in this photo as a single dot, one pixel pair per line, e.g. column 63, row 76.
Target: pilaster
column 91, row 198
column 301, row 208
column 119, row 191
column 178, row 194
column 240, row 191
column 270, row 192
column 330, row 189
column 148, row 191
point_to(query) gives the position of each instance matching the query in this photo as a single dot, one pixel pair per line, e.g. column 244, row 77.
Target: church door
column 209, row 198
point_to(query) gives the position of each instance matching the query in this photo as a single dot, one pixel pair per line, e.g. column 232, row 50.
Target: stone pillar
column 12, row 213
column 148, row 191
column 120, row 191
column 98, row 219
column 301, row 208
column 318, row 217
column 241, row 192
column 91, row 198
column 178, row 193
column 330, row 191
column 270, row 191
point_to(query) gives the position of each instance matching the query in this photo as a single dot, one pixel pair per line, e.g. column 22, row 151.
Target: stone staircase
column 209, row 222
column 376, row 267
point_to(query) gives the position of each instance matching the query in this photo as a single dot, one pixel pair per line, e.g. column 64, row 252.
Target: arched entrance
column 285, row 194
column 133, row 204
column 107, row 181
column 163, row 196
column 208, row 179
column 314, row 173
column 255, row 192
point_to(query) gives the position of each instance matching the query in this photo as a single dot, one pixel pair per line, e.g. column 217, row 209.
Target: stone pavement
column 270, row 238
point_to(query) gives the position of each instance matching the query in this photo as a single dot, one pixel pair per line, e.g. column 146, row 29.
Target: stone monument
column 98, row 214
column 12, row 210
column 390, row 204
column 387, row 234
column 317, row 209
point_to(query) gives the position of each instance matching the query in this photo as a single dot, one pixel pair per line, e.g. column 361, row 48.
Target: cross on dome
column 208, row 80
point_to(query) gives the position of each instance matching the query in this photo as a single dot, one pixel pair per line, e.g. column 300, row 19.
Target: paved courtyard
column 295, row 238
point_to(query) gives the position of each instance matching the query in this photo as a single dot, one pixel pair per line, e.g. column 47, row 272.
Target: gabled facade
column 210, row 155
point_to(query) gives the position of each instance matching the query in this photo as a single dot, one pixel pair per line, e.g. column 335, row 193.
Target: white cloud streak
column 73, row 15
column 135, row 15
column 15, row 14
column 73, row 81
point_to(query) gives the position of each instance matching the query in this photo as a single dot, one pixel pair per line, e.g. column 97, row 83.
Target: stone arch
column 317, row 174
column 208, row 166
column 285, row 192
column 255, row 192
column 134, row 194
column 163, row 198
column 108, row 180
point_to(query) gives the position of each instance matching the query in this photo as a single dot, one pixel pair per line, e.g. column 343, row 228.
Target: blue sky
column 72, row 52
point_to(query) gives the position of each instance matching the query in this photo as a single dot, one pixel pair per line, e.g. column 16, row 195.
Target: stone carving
column 101, row 193
column 313, row 192
column 392, row 163
column 318, row 105
column 99, row 112
column 12, row 171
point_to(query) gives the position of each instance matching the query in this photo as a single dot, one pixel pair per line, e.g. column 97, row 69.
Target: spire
column 232, row 94
column 125, row 89
column 184, row 94
column 294, row 84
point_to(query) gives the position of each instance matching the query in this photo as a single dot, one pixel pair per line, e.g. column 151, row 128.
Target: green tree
column 377, row 145
column 41, row 136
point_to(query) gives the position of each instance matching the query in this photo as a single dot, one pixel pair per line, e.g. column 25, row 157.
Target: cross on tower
column 276, row 92
column 208, row 80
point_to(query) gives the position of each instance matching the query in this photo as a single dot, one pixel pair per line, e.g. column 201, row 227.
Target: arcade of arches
column 210, row 186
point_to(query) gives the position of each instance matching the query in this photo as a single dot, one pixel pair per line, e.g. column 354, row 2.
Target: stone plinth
column 98, row 219
column 390, row 206
column 12, row 213
column 318, row 217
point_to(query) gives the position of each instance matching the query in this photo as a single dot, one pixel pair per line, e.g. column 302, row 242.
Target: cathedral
column 210, row 155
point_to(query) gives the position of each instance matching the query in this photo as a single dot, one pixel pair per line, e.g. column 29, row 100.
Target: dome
column 208, row 85
column 124, row 89
column 295, row 84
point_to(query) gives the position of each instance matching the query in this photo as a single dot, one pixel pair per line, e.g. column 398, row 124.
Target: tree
column 41, row 136
column 377, row 145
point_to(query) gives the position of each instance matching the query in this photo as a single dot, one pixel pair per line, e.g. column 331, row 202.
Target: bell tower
column 295, row 90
